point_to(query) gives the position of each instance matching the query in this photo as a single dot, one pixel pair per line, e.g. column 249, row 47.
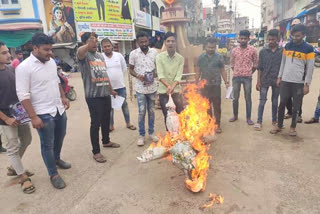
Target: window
column 14, row 1
column 5, row 1
column 154, row 9
column 8, row 2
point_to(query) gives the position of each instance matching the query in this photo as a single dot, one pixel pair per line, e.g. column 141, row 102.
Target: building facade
column 241, row 23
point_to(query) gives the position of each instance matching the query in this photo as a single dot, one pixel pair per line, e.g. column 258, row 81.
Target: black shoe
column 57, row 182
column 2, row 149
column 63, row 165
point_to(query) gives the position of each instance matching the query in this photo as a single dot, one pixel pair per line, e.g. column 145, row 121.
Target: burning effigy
column 184, row 142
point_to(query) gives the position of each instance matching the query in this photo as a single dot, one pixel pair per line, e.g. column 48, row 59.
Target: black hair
column 169, row 34
column 299, row 28
column 245, row 33
column 141, row 34
column 273, row 33
column 41, row 39
column 18, row 52
column 211, row 40
column 86, row 36
column 106, row 40
column 2, row 44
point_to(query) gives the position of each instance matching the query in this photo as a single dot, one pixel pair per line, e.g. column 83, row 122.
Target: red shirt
column 243, row 60
column 15, row 63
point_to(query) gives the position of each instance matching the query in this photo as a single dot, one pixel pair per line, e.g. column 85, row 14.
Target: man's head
column 5, row 56
column 58, row 3
column 273, row 38
column 170, row 41
column 42, row 46
column 107, row 46
column 211, row 45
column 298, row 32
column 143, row 41
column 19, row 54
column 19, row 106
column 244, row 37
column 91, row 39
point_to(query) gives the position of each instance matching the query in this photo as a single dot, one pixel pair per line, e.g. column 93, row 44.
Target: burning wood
column 183, row 143
column 213, row 199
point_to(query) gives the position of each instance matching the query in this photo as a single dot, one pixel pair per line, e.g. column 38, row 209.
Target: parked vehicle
column 68, row 89
column 317, row 57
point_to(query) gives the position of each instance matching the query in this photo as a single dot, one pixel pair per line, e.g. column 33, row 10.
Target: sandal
column 218, row 130
column 12, row 172
column 293, row 133
column 250, row 122
column 257, row 127
column 111, row 145
column 233, row 119
column 27, row 188
column 276, row 130
column 312, row 120
column 99, row 158
column 111, row 129
column 287, row 116
column 131, row 127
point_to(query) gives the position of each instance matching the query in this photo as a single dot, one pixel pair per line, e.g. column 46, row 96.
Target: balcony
column 10, row 5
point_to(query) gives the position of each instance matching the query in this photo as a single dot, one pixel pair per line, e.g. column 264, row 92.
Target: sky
column 249, row 8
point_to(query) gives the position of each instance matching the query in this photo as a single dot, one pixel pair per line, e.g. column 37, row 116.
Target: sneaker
column 154, row 138
column 140, row 141
column 257, row 127
column 250, row 122
column 57, row 182
column 63, row 165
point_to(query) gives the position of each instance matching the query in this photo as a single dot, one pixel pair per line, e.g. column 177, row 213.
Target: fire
column 213, row 199
column 195, row 123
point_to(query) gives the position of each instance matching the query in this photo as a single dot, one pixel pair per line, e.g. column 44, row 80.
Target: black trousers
column 289, row 108
column 99, row 109
column 100, row 8
column 290, row 90
column 213, row 94
column 177, row 99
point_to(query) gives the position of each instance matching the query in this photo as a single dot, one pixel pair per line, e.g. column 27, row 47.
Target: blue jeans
column 247, row 85
column 263, row 100
column 317, row 111
column 51, row 139
column 125, row 109
column 146, row 102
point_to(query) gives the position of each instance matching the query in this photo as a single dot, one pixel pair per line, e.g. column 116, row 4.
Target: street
column 256, row 172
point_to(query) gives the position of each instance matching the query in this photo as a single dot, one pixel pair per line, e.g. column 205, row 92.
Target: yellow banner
column 110, row 11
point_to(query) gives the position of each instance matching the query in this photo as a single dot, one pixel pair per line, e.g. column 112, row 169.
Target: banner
column 110, row 11
column 110, row 30
column 143, row 19
column 61, row 21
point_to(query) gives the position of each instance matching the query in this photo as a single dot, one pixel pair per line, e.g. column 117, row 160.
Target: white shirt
column 116, row 67
column 39, row 82
column 144, row 63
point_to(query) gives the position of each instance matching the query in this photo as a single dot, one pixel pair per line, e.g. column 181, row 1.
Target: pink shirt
column 15, row 63
column 243, row 60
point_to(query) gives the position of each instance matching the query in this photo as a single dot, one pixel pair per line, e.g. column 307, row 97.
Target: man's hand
column 306, row 89
column 11, row 122
column 258, row 86
column 169, row 90
column 65, row 103
column 278, row 81
column 114, row 93
column 37, row 122
column 140, row 77
column 227, row 84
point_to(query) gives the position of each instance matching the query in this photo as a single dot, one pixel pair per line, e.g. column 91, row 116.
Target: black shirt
column 8, row 94
column 269, row 65
column 210, row 68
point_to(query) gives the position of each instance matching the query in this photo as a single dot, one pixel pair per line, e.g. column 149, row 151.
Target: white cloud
column 249, row 8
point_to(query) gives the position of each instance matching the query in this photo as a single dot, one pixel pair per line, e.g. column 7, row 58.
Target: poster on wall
column 61, row 20
column 109, row 30
column 110, row 11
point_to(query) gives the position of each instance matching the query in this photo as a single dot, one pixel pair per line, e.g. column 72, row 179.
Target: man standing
column 18, row 136
column 40, row 92
column 244, row 61
column 210, row 67
column 142, row 67
column 316, row 116
column 295, row 76
column 18, row 59
column 268, row 70
column 169, row 70
column 97, row 89
column 116, row 68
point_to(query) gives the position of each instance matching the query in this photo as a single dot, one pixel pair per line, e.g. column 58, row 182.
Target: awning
column 70, row 45
column 227, row 35
column 20, row 26
column 14, row 39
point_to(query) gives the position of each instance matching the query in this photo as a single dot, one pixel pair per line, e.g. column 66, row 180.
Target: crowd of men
column 35, row 84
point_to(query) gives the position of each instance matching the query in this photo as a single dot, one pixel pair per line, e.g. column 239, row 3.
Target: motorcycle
column 68, row 89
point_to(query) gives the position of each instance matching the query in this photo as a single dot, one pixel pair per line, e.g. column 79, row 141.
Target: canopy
column 226, row 35
column 14, row 39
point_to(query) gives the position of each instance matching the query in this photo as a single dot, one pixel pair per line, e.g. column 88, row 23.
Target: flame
column 213, row 199
column 195, row 123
